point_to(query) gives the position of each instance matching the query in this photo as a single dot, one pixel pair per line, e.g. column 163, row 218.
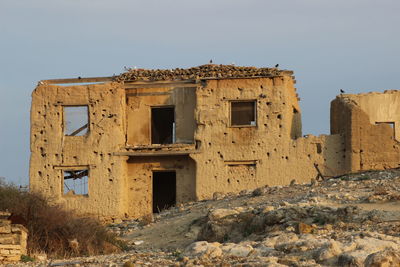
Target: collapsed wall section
column 74, row 132
column 13, row 240
column 370, row 125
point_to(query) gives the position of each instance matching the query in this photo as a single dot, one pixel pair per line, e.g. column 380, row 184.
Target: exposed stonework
column 162, row 137
column 13, row 238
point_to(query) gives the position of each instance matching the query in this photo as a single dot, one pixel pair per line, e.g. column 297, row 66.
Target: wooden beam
column 155, row 153
column 79, row 130
column 79, row 80
column 240, row 162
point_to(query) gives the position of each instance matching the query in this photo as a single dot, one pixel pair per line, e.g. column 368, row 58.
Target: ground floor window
column 75, row 182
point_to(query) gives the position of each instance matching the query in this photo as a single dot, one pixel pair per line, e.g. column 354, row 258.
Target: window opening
column 391, row 124
column 319, row 148
column 243, row 113
column 164, row 190
column 76, row 182
column 163, row 128
column 76, row 120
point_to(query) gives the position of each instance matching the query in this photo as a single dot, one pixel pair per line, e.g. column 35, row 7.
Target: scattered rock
column 384, row 258
column 260, row 191
column 138, row 242
column 303, row 228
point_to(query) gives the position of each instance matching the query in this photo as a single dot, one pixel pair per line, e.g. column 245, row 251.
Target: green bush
column 54, row 230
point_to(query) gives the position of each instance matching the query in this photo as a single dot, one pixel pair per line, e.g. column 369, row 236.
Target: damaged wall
column 370, row 125
column 52, row 152
column 208, row 129
column 237, row 158
column 13, row 240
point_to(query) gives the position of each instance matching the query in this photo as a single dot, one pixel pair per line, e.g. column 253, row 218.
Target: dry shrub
column 55, row 231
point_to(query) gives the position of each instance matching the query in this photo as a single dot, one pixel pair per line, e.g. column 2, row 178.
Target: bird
column 341, row 91
column 79, row 77
column 277, row 65
column 210, row 61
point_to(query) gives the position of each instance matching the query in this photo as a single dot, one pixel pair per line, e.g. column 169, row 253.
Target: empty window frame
column 391, row 124
column 76, row 120
column 243, row 113
column 75, row 182
column 163, row 125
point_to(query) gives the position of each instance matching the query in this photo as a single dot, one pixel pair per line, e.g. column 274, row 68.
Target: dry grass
column 55, row 231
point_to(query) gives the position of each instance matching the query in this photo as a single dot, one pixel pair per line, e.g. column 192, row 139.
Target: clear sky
column 349, row 44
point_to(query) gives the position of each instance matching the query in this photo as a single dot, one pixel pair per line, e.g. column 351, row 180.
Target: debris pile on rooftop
column 200, row 72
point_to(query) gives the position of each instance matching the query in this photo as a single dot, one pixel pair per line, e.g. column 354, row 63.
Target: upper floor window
column 76, row 120
column 243, row 113
column 163, row 125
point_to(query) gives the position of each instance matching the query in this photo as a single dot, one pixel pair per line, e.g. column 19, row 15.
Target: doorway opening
column 164, row 190
column 162, row 125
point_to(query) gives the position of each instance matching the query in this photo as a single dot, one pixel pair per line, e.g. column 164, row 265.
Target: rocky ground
column 353, row 220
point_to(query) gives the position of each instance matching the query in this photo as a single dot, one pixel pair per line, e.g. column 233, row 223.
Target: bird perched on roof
column 277, row 65
column 341, row 91
column 210, row 61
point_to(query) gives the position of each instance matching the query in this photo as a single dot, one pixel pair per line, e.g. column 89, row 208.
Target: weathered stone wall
column 13, row 238
column 366, row 122
column 209, row 154
column 232, row 159
column 52, row 151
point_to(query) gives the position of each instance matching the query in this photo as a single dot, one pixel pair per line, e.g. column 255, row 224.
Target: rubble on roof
column 200, row 72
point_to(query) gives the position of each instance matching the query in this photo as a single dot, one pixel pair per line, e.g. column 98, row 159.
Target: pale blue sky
column 349, row 44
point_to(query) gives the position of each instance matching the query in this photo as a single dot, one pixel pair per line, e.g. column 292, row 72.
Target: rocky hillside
column 353, row 220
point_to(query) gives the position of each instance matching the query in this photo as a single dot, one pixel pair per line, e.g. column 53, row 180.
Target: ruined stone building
column 133, row 144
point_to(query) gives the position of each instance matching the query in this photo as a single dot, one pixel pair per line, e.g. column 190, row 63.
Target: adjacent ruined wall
column 13, row 239
column 366, row 121
column 52, row 151
column 232, row 159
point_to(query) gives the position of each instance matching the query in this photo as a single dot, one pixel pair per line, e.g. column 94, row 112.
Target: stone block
column 2, row 246
column 12, row 258
column 18, row 228
column 4, row 251
column 4, row 215
column 15, row 252
column 7, row 239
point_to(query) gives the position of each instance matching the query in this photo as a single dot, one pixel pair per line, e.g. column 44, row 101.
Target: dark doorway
column 164, row 190
column 162, row 125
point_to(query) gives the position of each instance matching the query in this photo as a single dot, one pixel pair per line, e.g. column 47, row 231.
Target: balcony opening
column 164, row 190
column 163, row 125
